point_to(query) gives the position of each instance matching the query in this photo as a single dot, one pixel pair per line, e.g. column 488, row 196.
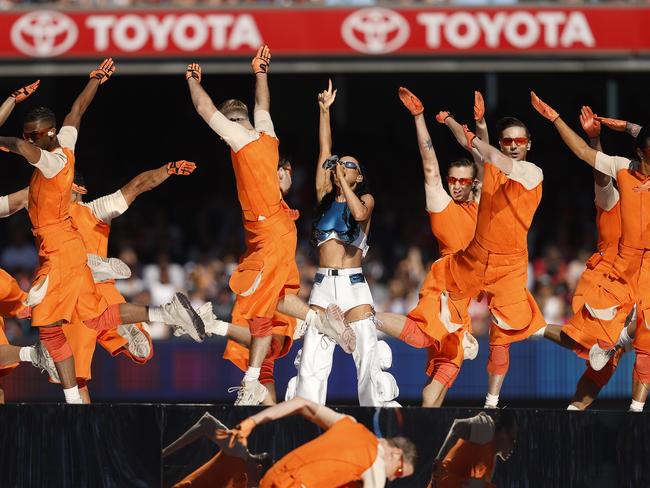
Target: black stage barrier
column 103, row 445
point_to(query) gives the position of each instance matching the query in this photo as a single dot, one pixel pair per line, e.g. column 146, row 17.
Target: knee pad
column 274, row 350
column 55, row 342
column 642, row 368
column 446, row 374
column 386, row 386
column 384, row 355
column 291, row 389
column 261, row 326
column 499, row 359
column 110, row 319
column 600, row 378
column 266, row 371
column 415, row 337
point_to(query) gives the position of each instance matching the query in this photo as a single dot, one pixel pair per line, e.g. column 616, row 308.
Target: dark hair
column 465, row 163
column 284, row 161
column 506, row 122
column 361, row 189
column 642, row 140
column 233, row 106
column 408, row 448
column 505, row 419
column 78, row 178
column 41, row 113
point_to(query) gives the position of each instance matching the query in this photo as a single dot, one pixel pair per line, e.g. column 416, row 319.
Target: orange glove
column 22, row 93
column 589, row 122
column 469, row 135
column 442, row 116
column 5, row 149
column 262, row 59
column 479, row 106
column 614, row 124
column 240, row 433
column 543, row 108
column 410, row 101
column 193, row 71
column 104, row 72
column 181, row 168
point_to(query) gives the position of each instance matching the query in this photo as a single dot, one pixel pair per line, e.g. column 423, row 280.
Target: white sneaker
column 249, row 393
column 108, row 268
column 42, row 360
column 213, row 326
column 138, row 342
column 336, row 329
column 183, row 319
column 599, row 357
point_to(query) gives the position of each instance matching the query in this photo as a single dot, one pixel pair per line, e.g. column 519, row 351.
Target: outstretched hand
column 614, row 124
column 543, row 108
column 442, row 116
column 262, row 60
column 410, row 101
column 589, row 122
column 23, row 93
column 193, row 71
column 326, row 97
column 479, row 106
column 104, row 71
column 181, row 168
column 239, row 434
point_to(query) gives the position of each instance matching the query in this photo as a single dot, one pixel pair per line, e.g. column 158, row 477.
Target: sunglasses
column 461, row 181
column 35, row 135
column 349, row 164
column 399, row 472
column 519, row 141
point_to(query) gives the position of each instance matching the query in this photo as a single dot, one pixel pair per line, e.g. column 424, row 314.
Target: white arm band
column 263, row 122
column 4, row 206
column 607, row 196
column 51, row 163
column 108, row 207
column 68, row 137
column 610, row 165
column 526, row 173
column 231, row 132
column 436, row 197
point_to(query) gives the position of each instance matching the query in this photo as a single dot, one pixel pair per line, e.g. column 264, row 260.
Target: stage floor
column 119, row 445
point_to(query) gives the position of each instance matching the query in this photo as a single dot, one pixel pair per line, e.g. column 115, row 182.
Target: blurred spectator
column 20, row 253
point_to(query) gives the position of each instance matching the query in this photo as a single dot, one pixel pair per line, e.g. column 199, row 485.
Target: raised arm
column 23, row 148
column 460, row 429
column 12, row 203
column 479, row 117
column 591, row 125
column 621, row 125
column 148, row 180
column 15, row 98
column 201, row 100
column 576, row 143
column 323, row 180
column 360, row 207
column 81, row 104
column 260, row 65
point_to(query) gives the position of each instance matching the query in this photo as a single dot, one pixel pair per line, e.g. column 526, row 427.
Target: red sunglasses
column 519, row 141
column 399, row 472
column 35, row 135
column 461, row 181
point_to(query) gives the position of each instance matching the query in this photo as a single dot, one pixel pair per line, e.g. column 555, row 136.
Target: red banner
column 323, row 32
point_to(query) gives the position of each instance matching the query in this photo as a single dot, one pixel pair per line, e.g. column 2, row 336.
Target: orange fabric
column 11, row 303
column 256, row 175
column 54, row 341
column 641, row 371
column 222, row 471
column 466, row 460
column 338, row 456
column 261, row 326
column 5, row 370
column 445, row 373
column 587, row 331
column 268, row 270
column 454, row 227
column 93, row 231
column 599, row 264
column 602, row 377
column 505, row 213
column 109, row 319
column 499, row 359
column 635, row 220
column 450, row 352
column 414, row 336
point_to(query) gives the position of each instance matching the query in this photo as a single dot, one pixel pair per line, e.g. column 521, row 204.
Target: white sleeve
column 68, row 136
column 606, row 196
column 610, row 165
column 231, row 132
column 108, row 207
column 263, row 122
column 436, row 197
column 375, row 475
column 526, row 173
column 4, row 206
column 481, row 428
column 51, row 163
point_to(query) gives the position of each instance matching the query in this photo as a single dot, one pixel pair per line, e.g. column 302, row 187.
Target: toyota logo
column 44, row 33
column 375, row 30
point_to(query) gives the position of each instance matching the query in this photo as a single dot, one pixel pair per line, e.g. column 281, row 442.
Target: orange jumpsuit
column 82, row 339
column 267, row 271
column 335, row 458
column 222, row 471
column 11, row 302
column 454, row 228
column 70, row 291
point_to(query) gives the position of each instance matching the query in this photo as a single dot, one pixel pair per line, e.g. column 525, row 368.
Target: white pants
column 376, row 387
